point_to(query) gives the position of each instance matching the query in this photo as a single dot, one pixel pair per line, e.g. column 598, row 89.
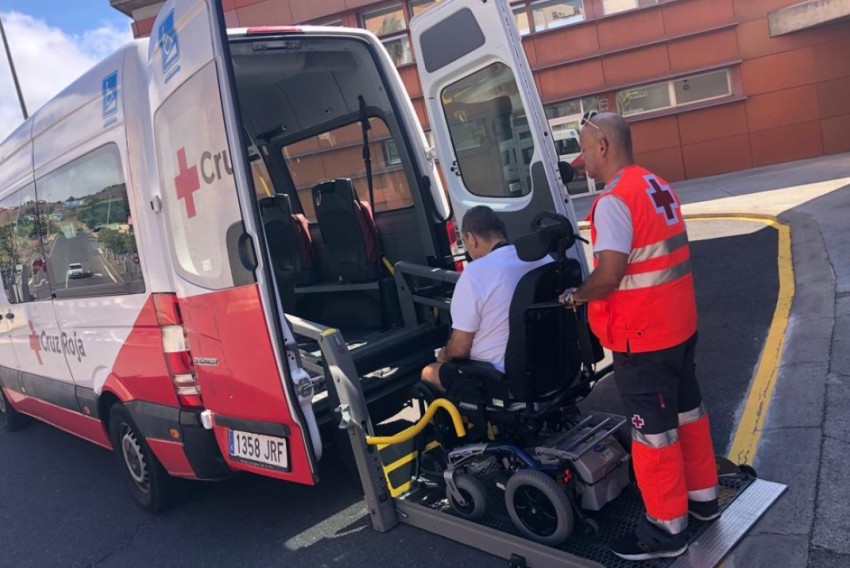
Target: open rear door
column 489, row 127
column 236, row 334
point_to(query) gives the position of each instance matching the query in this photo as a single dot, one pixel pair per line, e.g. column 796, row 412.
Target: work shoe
column 649, row 541
column 704, row 510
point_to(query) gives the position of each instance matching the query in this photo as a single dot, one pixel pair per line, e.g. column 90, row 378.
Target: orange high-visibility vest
column 654, row 307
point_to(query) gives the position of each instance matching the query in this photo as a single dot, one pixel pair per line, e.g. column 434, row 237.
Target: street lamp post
column 12, row 68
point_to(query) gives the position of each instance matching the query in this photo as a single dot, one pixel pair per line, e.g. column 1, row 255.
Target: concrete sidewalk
column 805, row 439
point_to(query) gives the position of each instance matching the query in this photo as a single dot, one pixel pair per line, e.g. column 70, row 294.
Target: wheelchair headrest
column 549, row 230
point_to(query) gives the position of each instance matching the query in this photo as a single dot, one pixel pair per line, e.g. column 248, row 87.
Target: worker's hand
column 568, row 299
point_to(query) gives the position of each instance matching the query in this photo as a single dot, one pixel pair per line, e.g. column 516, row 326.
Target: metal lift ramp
column 744, row 498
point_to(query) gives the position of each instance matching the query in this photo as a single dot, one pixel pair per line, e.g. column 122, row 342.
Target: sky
column 53, row 42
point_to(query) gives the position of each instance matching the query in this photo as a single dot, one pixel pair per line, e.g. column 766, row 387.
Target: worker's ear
column 603, row 145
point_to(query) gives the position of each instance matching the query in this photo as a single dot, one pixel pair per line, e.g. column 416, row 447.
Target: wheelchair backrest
column 542, row 357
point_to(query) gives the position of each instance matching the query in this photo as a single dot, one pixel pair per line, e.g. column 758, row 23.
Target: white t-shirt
column 482, row 300
column 613, row 224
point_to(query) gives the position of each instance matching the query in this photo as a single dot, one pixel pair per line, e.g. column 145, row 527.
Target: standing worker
column 641, row 306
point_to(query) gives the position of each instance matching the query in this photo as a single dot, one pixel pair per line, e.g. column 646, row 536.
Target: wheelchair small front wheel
column 474, row 494
column 538, row 507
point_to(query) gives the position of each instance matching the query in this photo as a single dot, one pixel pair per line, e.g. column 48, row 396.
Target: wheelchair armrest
column 478, row 369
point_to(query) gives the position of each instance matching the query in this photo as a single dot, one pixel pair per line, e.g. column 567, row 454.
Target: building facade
column 709, row 86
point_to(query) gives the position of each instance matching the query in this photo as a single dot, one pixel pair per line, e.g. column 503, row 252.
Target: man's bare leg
column 431, row 375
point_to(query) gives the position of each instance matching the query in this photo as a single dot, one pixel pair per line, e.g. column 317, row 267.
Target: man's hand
column 610, row 269
column 569, row 299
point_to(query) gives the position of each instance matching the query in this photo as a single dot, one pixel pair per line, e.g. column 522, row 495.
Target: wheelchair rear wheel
column 473, row 492
column 538, row 507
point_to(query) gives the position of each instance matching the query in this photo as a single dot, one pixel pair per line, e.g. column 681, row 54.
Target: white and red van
column 164, row 216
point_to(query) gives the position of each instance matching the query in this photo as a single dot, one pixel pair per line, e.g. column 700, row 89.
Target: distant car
column 76, row 270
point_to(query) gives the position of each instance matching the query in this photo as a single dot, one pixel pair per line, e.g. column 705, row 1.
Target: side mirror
column 567, row 172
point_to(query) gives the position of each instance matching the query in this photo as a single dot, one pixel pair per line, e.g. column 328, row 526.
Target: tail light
column 175, row 346
column 455, row 243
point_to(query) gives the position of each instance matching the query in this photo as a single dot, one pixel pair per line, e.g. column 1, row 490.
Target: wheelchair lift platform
column 744, row 499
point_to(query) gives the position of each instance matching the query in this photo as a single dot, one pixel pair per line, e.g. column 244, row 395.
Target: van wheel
column 12, row 419
column 149, row 484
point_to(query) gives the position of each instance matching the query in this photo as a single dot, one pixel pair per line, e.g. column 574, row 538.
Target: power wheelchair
column 553, row 463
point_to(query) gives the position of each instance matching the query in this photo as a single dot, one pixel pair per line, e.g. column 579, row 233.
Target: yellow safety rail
column 412, row 431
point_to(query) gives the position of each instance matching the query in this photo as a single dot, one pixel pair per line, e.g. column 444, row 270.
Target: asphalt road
column 63, row 503
column 82, row 248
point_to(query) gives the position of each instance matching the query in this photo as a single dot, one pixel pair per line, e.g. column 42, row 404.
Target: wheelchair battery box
column 603, row 472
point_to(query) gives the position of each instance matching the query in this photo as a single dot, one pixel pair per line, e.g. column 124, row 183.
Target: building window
column 399, row 49
column 384, row 21
column 674, row 93
column 569, row 113
column 550, row 14
column 615, row 6
column 521, row 19
column 389, row 24
column 419, row 6
column 391, row 155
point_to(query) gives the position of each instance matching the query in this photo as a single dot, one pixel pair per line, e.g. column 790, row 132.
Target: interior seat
column 290, row 243
column 348, row 230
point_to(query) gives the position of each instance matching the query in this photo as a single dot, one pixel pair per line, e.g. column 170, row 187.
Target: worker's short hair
column 483, row 222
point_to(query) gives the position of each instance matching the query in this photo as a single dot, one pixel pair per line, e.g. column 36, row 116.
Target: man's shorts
column 448, row 374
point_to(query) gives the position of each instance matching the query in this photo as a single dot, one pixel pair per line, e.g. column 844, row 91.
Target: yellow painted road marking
column 748, row 433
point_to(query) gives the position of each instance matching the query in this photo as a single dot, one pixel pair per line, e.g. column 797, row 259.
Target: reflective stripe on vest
column 656, row 277
column 658, row 249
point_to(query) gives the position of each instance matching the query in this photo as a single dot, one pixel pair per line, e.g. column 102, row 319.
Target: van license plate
column 258, row 449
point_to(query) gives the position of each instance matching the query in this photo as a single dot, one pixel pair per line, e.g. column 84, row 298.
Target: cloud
column 47, row 60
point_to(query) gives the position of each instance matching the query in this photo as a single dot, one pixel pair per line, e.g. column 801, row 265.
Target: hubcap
column 134, row 458
column 535, row 510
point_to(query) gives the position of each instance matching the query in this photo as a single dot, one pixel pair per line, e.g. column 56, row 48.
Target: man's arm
column 606, row 277
column 459, row 346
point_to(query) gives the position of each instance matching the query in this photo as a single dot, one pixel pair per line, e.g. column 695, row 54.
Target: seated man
column 482, row 298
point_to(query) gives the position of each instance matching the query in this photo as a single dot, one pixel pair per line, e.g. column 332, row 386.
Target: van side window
column 490, row 133
column 87, row 227
column 21, row 254
column 338, row 154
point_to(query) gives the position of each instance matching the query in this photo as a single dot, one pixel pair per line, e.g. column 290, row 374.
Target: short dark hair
column 483, row 222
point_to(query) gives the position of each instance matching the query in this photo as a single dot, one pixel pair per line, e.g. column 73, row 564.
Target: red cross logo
column 663, row 199
column 186, row 182
column 637, row 421
column 35, row 344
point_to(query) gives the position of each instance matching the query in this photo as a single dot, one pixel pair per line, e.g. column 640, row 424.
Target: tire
column 11, row 419
column 473, row 493
column 538, row 507
column 748, row 470
column 149, row 484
